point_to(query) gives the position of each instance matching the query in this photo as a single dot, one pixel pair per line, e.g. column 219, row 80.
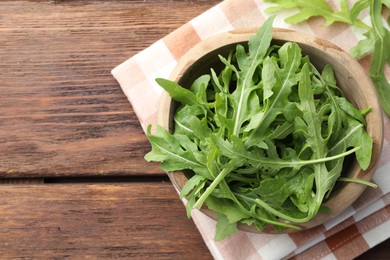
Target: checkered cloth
column 362, row 226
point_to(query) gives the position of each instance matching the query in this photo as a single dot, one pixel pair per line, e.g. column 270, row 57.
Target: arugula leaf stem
column 183, row 126
column 379, row 55
column 280, row 214
column 234, row 196
column 330, row 158
column 337, row 145
column 178, row 156
column 294, row 163
column 198, row 204
column 245, row 83
column 270, row 209
column 359, row 181
column 268, row 112
column 291, row 163
column 375, row 13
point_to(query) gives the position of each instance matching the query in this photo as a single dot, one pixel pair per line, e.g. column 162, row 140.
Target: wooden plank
column 102, row 221
column 61, row 111
column 99, row 221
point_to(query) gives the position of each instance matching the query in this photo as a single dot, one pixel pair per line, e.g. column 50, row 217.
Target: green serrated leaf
column 312, row 8
column 172, row 154
column 277, row 83
column 258, row 46
column 177, row 92
column 193, row 182
column 224, row 228
column 380, row 55
column 357, row 8
column 225, row 207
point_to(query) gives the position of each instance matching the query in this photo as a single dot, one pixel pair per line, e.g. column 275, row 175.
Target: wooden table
column 73, row 179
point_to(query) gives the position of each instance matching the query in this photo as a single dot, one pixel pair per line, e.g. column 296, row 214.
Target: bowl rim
column 350, row 191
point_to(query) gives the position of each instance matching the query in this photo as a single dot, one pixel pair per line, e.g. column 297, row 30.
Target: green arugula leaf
column 187, row 122
column 224, row 228
column 358, row 7
column 277, row 190
column 375, row 44
column 174, row 152
column 380, row 55
column 350, row 110
column 312, row 8
column 236, row 150
column 336, row 117
column 258, row 46
column 354, row 135
column 225, row 207
column 314, row 139
column 277, row 84
column 177, row 92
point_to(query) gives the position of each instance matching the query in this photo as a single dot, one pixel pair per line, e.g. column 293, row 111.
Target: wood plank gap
column 107, row 179
column 22, row 181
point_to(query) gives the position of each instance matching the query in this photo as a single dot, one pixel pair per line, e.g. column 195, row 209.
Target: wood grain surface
column 98, row 221
column 62, row 113
column 73, row 180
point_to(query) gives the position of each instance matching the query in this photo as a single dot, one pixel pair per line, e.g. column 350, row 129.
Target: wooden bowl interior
column 350, row 76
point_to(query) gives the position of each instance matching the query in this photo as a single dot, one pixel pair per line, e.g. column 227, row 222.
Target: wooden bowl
column 350, row 76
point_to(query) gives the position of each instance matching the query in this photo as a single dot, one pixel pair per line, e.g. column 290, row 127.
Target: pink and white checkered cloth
column 362, row 226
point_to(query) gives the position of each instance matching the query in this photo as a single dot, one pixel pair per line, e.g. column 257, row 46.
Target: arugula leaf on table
column 311, row 8
column 380, row 55
column 375, row 44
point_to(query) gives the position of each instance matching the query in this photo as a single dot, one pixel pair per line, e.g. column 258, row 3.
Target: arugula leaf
column 314, row 138
column 236, row 150
column 224, row 228
column 187, row 122
column 358, row 7
column 225, row 207
column 177, row 92
column 191, row 190
column 277, row 190
column 375, row 44
column 311, row 8
column 380, row 55
column 277, row 83
column 258, row 46
column 354, row 135
column 174, row 152
column 193, row 182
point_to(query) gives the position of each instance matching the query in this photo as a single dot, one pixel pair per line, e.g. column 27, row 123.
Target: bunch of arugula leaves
column 265, row 138
column 377, row 37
